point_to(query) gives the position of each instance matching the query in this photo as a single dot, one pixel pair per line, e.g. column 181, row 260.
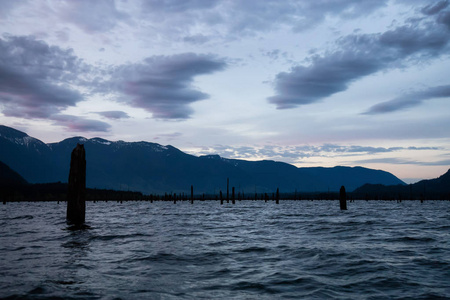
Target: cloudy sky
column 312, row 83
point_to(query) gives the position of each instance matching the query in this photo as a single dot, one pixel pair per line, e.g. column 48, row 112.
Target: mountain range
column 154, row 168
column 438, row 188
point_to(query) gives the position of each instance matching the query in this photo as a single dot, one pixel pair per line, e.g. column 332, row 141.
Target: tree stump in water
column 76, row 195
column 343, row 198
column 228, row 190
column 232, row 196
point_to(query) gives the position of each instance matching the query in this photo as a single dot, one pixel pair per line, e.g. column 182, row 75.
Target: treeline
column 400, row 192
column 58, row 192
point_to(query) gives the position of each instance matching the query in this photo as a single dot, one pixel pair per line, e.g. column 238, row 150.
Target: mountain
column 153, row 168
column 430, row 189
column 9, row 177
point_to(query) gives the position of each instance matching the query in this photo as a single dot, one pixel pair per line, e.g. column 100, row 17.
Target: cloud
column 163, row 86
column 176, row 6
column 410, row 100
column 360, row 55
column 400, row 161
column 35, row 78
column 249, row 17
column 41, row 81
column 92, row 16
column 274, row 54
column 113, row 114
column 169, row 136
column 295, row 154
column 197, row 39
column 76, row 123
column 435, row 8
column 37, row 82
column 444, row 18
column 236, row 19
column 7, row 6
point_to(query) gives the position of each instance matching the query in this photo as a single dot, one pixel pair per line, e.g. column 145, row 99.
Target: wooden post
column 278, row 196
column 192, row 194
column 228, row 190
column 221, row 198
column 76, row 195
column 342, row 198
column 232, row 196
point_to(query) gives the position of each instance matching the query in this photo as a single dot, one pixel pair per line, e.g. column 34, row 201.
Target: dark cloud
column 332, row 148
column 35, row 78
column 294, row 154
column 36, row 82
column 444, row 18
column 197, row 39
column 92, row 16
column 359, row 55
column 400, row 161
column 41, row 81
column 410, row 100
column 62, row 35
column 273, row 54
column 434, row 8
column 163, row 84
column 169, row 136
column 178, row 6
column 80, row 124
column 236, row 19
column 355, row 149
column 114, row 114
column 254, row 16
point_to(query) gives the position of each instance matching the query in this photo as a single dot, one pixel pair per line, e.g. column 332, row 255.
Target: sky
column 311, row 83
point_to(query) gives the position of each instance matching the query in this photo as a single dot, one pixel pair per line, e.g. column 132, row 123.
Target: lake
column 250, row 250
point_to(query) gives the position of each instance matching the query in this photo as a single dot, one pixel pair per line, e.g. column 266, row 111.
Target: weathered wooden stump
column 233, row 200
column 192, row 194
column 228, row 190
column 221, row 198
column 278, row 196
column 76, row 195
column 342, row 198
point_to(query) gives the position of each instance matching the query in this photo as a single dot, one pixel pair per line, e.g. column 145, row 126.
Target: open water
column 250, row 250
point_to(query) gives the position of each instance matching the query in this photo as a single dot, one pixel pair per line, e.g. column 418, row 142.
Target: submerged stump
column 233, row 200
column 343, row 198
column 228, row 190
column 76, row 194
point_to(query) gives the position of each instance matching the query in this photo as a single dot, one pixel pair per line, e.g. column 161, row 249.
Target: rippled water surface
column 250, row 250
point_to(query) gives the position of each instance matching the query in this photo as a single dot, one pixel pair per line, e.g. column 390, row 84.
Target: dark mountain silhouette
column 153, row 168
column 9, row 177
column 430, row 189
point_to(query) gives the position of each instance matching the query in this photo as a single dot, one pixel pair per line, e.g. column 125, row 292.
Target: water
column 250, row 250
